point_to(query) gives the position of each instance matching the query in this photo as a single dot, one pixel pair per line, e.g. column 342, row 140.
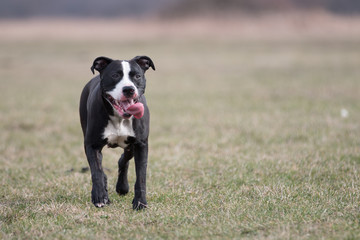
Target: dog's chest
column 118, row 131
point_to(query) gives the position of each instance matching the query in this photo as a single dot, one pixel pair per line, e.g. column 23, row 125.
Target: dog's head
column 123, row 82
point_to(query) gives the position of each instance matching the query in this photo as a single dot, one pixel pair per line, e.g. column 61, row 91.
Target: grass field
column 247, row 137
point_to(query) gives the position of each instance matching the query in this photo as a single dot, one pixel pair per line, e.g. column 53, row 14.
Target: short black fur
column 95, row 113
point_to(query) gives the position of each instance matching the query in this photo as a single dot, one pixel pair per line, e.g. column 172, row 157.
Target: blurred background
column 254, row 117
column 113, row 8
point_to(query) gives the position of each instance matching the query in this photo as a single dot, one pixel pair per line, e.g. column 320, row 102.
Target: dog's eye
column 115, row 75
column 137, row 76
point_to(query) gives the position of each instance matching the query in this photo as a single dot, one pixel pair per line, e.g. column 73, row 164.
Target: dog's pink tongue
column 137, row 110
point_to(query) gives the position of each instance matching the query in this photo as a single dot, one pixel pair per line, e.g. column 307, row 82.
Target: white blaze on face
column 117, row 92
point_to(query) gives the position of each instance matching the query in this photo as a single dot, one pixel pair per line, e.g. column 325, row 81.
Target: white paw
column 99, row 205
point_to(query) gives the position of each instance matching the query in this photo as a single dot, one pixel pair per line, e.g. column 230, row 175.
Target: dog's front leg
column 141, row 156
column 99, row 193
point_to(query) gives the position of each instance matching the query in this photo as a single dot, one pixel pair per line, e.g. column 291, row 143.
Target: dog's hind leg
column 122, row 185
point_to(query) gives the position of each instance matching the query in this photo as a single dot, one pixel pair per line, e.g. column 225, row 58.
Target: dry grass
column 247, row 140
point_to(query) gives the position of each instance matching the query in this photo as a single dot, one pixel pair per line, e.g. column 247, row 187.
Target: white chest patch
column 118, row 130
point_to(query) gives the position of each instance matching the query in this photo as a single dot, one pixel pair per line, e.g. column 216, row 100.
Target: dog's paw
column 102, row 204
column 139, row 204
column 99, row 205
column 122, row 188
column 100, row 199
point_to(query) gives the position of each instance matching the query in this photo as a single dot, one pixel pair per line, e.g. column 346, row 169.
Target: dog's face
column 123, row 82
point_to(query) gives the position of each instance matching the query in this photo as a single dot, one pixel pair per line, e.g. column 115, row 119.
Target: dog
column 113, row 112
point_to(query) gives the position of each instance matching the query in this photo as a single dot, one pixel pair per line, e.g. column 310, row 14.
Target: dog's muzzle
column 127, row 107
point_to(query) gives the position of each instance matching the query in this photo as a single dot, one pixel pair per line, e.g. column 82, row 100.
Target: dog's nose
column 128, row 91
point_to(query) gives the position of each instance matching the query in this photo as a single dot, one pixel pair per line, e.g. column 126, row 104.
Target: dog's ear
column 144, row 62
column 100, row 64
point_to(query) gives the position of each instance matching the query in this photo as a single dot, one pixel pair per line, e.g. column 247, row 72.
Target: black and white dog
column 113, row 112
